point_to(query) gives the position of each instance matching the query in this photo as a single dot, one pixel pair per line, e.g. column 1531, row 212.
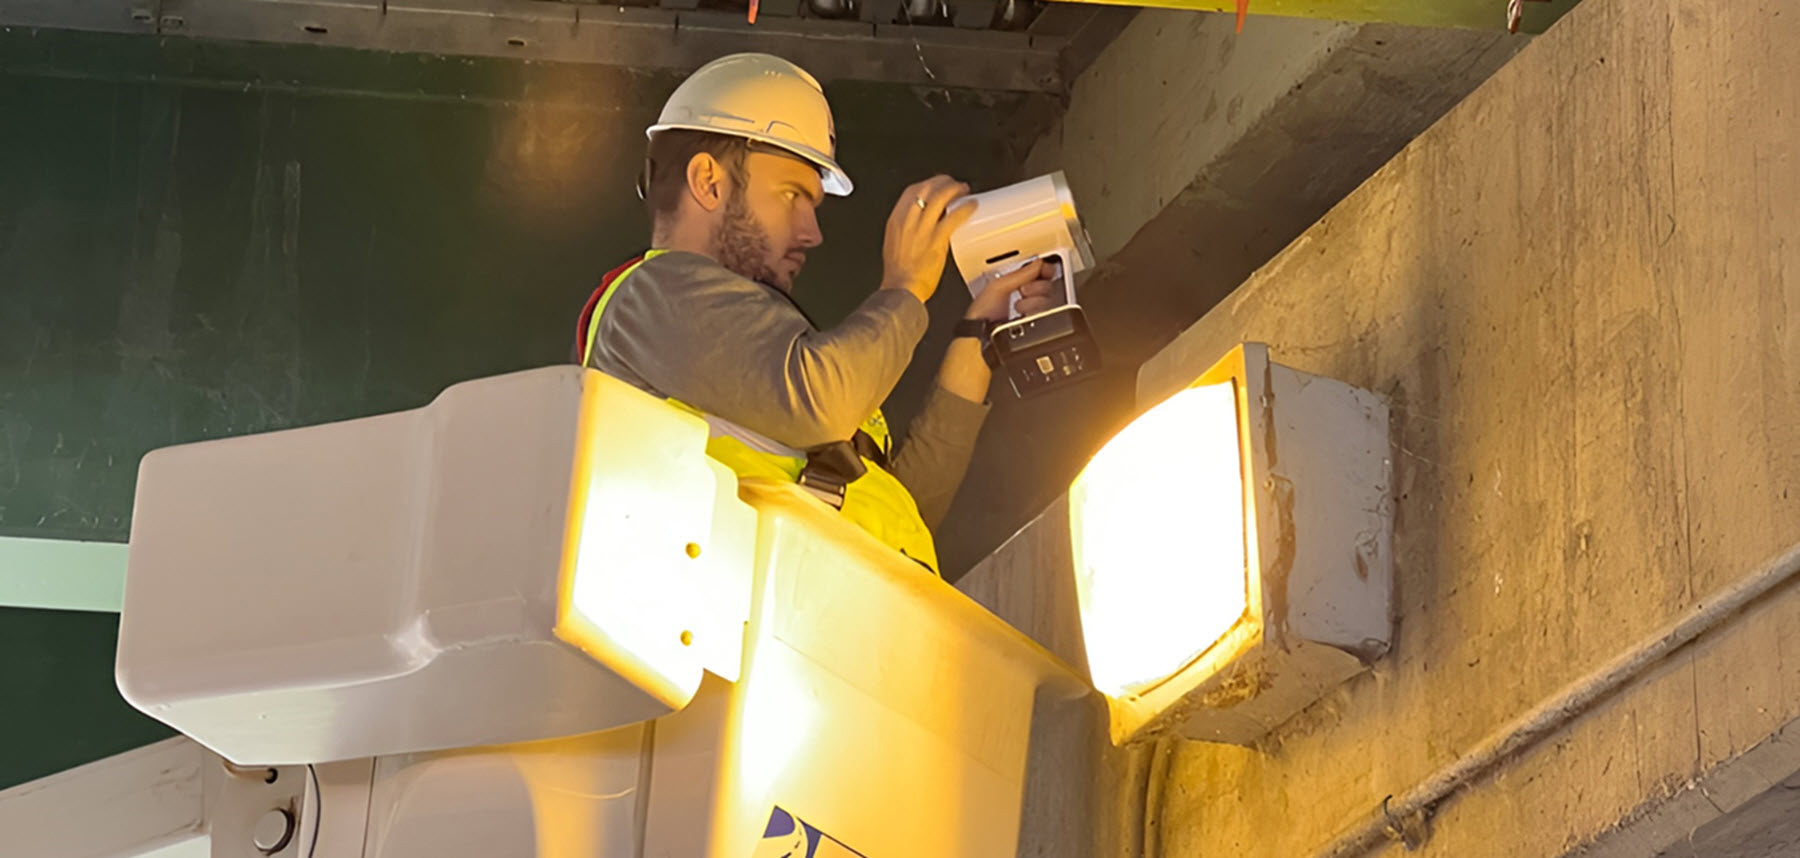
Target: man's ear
column 706, row 181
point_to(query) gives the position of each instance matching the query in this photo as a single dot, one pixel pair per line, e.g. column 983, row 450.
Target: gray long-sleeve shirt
column 682, row 326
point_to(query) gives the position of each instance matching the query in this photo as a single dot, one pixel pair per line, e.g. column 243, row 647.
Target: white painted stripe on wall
column 61, row 575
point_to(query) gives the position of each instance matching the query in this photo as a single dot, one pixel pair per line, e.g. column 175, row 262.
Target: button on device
column 1045, row 365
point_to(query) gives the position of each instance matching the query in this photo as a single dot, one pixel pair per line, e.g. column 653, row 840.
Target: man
column 743, row 154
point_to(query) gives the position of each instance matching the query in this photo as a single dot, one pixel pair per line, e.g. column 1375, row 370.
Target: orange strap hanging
column 1243, row 8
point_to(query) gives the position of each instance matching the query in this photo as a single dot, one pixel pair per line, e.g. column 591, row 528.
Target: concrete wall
column 1196, row 154
column 1170, row 95
column 1575, row 292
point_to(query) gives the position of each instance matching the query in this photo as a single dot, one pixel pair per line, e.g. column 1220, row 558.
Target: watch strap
column 980, row 329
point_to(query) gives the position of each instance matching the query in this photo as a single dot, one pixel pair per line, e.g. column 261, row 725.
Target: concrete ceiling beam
column 1195, row 154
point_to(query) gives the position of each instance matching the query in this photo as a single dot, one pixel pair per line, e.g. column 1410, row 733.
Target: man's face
column 767, row 226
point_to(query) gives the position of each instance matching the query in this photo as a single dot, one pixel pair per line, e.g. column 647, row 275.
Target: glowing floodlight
column 1161, row 540
column 1231, row 551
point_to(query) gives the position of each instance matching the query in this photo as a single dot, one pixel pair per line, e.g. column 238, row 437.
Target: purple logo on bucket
column 787, row 836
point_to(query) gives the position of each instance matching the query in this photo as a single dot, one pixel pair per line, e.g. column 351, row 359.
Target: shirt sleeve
column 693, row 330
column 933, row 459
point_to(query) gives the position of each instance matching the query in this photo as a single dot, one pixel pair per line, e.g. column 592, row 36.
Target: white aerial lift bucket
column 534, row 619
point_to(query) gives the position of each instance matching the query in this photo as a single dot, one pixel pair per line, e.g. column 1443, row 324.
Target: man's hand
column 918, row 235
column 1036, row 294
column 964, row 372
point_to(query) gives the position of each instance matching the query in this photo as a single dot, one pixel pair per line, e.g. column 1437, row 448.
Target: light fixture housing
column 1232, row 551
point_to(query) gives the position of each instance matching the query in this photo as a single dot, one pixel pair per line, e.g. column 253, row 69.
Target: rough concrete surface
column 1196, row 154
column 1747, row 807
column 1574, row 293
column 1767, row 827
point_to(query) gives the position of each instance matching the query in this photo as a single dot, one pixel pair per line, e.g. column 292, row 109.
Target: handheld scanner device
column 1050, row 349
column 1015, row 226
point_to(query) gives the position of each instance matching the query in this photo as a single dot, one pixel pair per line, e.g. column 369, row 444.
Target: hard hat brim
column 836, row 182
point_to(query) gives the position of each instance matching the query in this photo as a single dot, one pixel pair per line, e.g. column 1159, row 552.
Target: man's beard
column 740, row 244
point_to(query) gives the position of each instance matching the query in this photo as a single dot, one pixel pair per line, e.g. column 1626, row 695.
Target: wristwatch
column 982, row 331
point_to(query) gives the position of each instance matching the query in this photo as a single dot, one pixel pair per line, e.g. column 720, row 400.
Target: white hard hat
column 762, row 98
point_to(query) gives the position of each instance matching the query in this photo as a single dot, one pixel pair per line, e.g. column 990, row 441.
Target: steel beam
column 1461, row 14
column 634, row 37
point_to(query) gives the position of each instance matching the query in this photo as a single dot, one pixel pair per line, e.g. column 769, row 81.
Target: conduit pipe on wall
column 1557, row 711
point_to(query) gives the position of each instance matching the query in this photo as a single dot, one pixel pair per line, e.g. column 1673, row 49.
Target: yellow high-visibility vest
column 877, row 501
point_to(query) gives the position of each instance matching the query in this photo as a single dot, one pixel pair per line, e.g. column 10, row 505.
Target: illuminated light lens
column 1157, row 520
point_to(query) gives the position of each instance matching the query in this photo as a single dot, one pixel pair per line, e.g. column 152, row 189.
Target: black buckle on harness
column 829, row 471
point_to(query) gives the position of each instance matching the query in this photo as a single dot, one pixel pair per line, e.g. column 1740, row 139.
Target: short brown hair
column 667, row 158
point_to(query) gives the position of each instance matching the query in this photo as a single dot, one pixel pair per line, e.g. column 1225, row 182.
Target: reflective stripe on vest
column 877, row 502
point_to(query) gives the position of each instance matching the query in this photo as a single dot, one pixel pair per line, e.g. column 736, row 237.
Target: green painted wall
column 58, row 704
column 207, row 239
